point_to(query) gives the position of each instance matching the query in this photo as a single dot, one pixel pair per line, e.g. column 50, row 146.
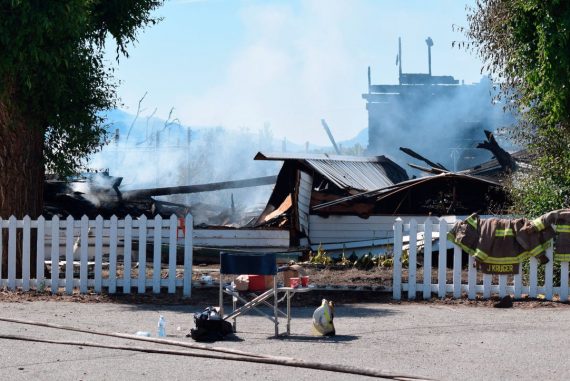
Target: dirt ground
column 369, row 281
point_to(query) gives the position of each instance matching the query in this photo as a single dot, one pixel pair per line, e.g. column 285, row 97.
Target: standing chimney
column 400, row 59
column 429, row 43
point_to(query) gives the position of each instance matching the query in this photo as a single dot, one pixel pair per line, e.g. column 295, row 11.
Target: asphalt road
column 429, row 340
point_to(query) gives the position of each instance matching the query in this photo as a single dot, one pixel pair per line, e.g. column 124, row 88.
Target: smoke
column 162, row 153
column 241, row 63
column 443, row 126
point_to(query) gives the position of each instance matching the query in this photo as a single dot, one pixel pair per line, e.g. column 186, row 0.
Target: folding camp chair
column 255, row 264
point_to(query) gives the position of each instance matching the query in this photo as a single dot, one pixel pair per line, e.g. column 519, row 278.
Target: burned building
column 438, row 195
column 306, row 180
column 436, row 115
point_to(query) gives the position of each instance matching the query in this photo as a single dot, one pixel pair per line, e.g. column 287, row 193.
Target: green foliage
column 344, row 261
column 524, row 45
column 540, row 274
column 534, row 195
column 364, row 262
column 320, row 257
column 52, row 73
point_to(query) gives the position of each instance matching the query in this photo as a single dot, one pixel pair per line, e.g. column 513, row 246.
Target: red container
column 304, row 281
column 260, row 282
column 295, row 282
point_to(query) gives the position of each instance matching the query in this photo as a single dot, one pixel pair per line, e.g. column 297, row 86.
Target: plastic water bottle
column 161, row 332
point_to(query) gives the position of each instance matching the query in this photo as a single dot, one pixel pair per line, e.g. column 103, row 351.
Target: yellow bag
column 323, row 319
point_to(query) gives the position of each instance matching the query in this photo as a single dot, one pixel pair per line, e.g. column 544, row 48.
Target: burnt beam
column 504, row 158
column 185, row 189
column 416, row 155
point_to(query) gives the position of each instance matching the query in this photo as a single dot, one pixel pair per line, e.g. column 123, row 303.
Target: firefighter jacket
column 500, row 245
column 557, row 224
column 465, row 234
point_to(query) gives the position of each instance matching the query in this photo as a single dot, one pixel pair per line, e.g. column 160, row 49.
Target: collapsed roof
column 494, row 169
column 347, row 173
column 445, row 193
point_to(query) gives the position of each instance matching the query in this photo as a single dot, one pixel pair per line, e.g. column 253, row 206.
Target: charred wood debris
column 97, row 194
column 341, row 185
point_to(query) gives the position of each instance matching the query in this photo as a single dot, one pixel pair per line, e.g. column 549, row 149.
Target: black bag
column 210, row 326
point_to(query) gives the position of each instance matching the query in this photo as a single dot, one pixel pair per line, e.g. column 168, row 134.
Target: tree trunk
column 21, row 175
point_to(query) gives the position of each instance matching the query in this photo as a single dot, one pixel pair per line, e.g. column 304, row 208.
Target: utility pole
column 327, row 129
column 400, row 59
column 429, row 43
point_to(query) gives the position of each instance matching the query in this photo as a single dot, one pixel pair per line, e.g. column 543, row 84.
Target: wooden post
column 84, row 242
column 54, row 254
column 533, row 278
column 472, row 278
column 40, row 258
column 113, row 234
column 412, row 262
column 188, row 251
column 457, row 271
column 98, row 253
column 127, row 256
column 69, row 255
column 518, row 283
column 26, row 245
column 172, row 254
column 549, row 274
column 564, row 281
column 142, row 254
column 442, row 259
column 157, row 255
column 397, row 259
column 12, row 252
column 427, row 257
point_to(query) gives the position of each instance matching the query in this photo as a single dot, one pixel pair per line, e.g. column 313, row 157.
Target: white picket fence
column 95, row 245
column 475, row 284
column 101, row 255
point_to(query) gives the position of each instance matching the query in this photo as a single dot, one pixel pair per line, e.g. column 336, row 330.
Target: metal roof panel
column 361, row 176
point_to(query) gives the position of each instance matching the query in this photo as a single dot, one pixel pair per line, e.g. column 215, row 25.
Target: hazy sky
column 239, row 63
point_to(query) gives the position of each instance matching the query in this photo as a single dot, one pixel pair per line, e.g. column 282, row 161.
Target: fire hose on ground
column 222, row 353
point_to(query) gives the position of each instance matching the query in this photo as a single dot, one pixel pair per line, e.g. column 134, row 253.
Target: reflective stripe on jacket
column 499, row 245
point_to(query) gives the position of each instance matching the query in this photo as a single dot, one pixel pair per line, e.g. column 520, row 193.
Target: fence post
column 98, row 253
column 69, row 255
column 113, row 254
column 26, row 254
column 172, row 245
column 549, row 274
column 54, row 254
column 412, row 259
column 157, row 258
column 127, row 255
column 471, row 278
column 427, row 257
column 502, row 285
column 12, row 252
column 518, row 283
column 188, row 258
column 397, row 266
column 40, row 259
column 142, row 254
column 442, row 259
column 457, row 264
column 84, row 242
column 533, row 278
column 564, row 281
column 1, row 250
